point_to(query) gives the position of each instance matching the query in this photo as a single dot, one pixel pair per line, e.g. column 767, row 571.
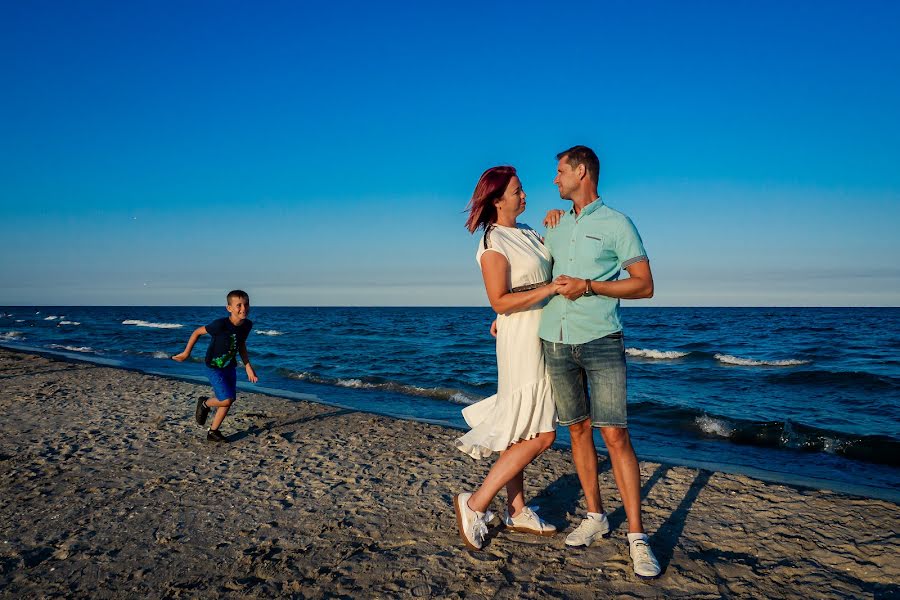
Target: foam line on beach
column 71, row 348
column 371, row 383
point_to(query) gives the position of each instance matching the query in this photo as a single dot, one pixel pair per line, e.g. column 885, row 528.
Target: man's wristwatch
column 588, row 291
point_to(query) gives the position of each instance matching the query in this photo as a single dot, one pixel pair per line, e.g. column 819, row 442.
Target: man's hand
column 494, row 328
column 570, row 287
column 553, row 217
column 251, row 374
column 181, row 357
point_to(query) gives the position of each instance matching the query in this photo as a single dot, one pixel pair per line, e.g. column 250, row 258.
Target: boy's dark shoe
column 202, row 411
column 214, row 435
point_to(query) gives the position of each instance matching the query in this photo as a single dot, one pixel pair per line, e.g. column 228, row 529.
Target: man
column 582, row 337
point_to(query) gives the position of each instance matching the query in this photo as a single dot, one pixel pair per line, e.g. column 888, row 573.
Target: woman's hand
column 553, row 217
column 494, row 328
column 251, row 374
column 570, row 287
column 181, row 357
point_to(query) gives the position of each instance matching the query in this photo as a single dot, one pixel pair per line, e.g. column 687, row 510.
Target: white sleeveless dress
column 523, row 406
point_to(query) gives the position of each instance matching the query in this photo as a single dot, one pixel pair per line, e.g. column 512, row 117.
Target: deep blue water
column 787, row 394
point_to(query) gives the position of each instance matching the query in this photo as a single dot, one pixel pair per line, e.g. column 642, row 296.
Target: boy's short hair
column 237, row 294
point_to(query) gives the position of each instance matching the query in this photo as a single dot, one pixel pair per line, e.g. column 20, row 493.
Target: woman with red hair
column 519, row 422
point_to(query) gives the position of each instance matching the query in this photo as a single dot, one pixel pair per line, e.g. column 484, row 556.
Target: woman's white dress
column 523, row 406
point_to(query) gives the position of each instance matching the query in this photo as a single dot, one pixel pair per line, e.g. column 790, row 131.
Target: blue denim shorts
column 223, row 382
column 599, row 363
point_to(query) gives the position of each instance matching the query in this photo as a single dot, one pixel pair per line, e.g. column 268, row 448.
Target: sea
column 798, row 396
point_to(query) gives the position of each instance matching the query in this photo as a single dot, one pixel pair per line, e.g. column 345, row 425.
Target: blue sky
column 313, row 154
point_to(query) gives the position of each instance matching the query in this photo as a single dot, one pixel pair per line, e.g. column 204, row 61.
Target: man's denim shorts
column 601, row 363
column 223, row 382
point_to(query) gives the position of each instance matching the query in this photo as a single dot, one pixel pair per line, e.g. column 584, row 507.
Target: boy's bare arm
column 190, row 345
column 251, row 374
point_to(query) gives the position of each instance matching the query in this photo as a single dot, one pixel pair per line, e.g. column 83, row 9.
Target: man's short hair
column 237, row 294
column 582, row 155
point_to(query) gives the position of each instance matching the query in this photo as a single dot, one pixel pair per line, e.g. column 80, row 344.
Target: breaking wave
column 728, row 359
column 377, row 383
column 655, row 354
column 71, row 348
column 139, row 323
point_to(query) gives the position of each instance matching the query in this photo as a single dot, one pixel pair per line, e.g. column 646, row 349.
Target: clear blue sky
column 322, row 153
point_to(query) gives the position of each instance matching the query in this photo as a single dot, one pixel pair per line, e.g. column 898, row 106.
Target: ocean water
column 803, row 395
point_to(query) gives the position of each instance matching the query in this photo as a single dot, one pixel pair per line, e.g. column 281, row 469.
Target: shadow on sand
column 257, row 430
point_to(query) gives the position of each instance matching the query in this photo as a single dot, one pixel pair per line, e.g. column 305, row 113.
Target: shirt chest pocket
column 598, row 248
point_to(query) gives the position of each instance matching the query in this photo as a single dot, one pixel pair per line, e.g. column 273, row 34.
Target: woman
column 520, row 421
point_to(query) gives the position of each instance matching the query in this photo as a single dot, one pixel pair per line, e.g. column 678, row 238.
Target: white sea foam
column 269, row 332
column 69, row 323
column 161, row 355
column 51, row 318
column 352, row 383
column 463, row 398
column 9, row 336
column 140, row 323
column 656, row 354
column 714, row 426
column 20, row 320
column 749, row 362
column 72, row 348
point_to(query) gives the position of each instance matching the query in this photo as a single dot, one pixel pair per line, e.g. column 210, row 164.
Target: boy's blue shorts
column 223, row 382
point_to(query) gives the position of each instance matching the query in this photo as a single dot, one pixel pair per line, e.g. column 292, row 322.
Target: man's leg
column 627, row 473
column 570, row 393
column 604, row 361
column 584, row 455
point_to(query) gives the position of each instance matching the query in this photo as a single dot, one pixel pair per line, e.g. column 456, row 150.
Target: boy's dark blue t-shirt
column 226, row 338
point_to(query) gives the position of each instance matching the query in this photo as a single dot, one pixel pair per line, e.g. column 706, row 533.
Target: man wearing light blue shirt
column 583, row 343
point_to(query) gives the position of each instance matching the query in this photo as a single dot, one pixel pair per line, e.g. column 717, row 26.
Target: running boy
column 229, row 337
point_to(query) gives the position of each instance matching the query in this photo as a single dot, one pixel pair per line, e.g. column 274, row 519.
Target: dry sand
column 108, row 489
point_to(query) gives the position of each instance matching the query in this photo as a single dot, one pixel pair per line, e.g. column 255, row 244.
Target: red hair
column 491, row 185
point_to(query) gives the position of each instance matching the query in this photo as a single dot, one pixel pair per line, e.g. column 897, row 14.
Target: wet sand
column 109, row 489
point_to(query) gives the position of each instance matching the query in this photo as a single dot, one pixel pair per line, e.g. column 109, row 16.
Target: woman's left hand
column 553, row 217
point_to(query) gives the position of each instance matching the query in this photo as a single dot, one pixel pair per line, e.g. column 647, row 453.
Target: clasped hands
column 570, row 287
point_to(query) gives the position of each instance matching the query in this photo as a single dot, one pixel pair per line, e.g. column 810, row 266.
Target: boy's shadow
column 257, row 430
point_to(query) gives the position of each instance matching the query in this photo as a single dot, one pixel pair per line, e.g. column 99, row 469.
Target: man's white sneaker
column 645, row 564
column 528, row 521
column 472, row 524
column 590, row 530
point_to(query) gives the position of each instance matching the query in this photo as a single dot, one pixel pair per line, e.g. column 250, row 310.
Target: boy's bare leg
column 223, row 406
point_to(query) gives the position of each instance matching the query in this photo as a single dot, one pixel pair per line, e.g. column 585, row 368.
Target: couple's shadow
column 560, row 501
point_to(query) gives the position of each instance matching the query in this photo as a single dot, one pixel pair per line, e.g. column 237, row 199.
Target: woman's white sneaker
column 471, row 523
column 528, row 521
column 590, row 530
column 645, row 564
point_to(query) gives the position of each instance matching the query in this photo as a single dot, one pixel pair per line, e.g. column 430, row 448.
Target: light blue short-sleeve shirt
column 596, row 245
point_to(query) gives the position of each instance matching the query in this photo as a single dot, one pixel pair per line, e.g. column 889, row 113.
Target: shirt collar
column 587, row 209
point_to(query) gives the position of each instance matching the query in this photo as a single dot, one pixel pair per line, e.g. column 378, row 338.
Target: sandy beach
column 109, row 489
